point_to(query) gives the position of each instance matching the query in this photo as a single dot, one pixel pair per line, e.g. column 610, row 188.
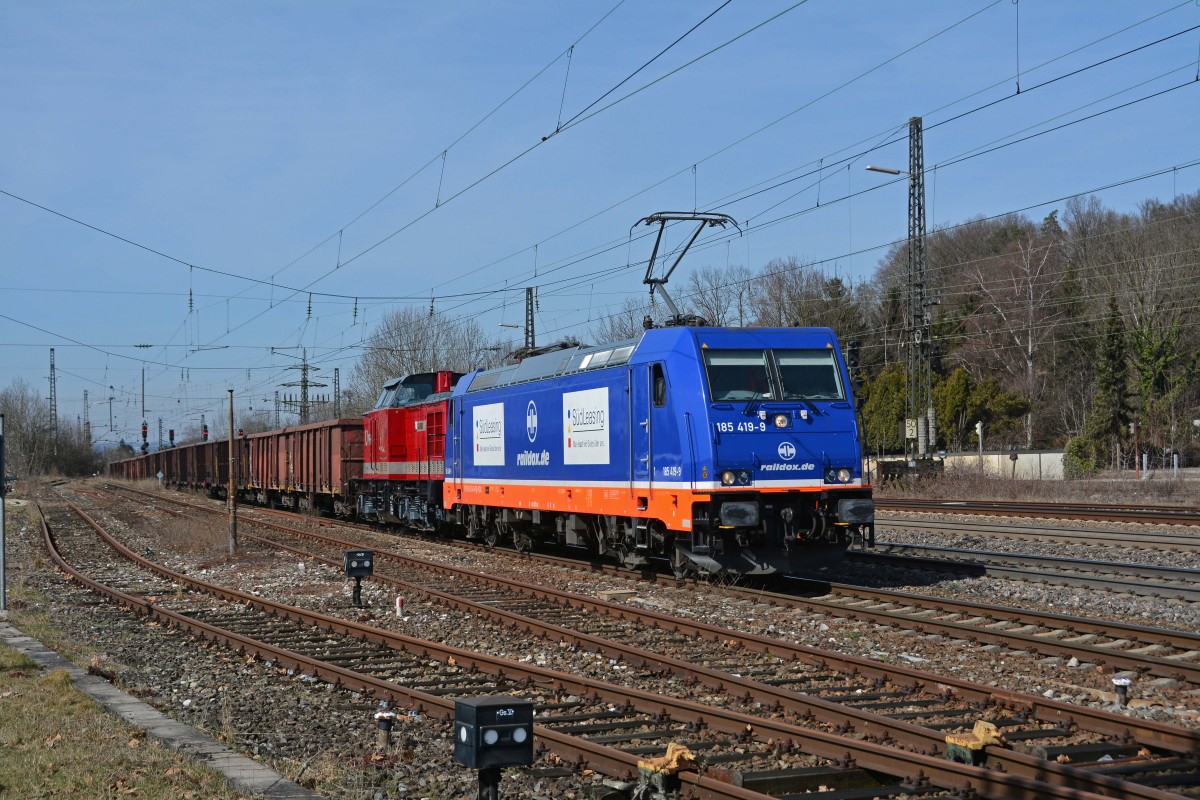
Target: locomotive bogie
column 416, row 504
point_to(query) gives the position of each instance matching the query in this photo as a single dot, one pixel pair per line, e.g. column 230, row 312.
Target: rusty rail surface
column 1099, row 512
column 864, row 722
column 988, row 783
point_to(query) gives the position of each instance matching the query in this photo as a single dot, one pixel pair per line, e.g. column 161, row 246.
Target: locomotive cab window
column 809, row 375
column 387, row 395
column 735, row 375
column 659, row 383
column 412, row 392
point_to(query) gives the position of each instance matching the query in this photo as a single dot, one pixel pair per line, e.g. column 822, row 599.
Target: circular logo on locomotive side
column 531, row 420
column 787, row 451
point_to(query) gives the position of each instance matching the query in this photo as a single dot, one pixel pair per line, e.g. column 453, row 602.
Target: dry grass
column 197, row 535
column 55, row 741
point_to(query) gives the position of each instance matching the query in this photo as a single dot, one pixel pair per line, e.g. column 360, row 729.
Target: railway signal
column 491, row 733
column 359, row 564
column 204, row 433
column 853, row 348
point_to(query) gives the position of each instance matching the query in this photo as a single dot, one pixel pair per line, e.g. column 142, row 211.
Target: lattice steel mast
column 53, row 404
column 919, row 414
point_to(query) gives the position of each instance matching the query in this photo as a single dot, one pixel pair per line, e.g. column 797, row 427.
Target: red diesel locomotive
column 404, row 445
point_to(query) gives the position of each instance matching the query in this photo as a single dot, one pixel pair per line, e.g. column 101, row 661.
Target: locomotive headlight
column 781, row 421
column 838, row 475
column 727, row 478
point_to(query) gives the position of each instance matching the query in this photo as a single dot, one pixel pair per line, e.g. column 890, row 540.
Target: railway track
column 609, row 727
column 1107, row 644
column 1140, row 579
column 884, row 707
column 1153, row 540
column 1107, row 512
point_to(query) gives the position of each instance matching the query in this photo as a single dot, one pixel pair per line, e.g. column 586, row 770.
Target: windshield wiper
column 803, row 398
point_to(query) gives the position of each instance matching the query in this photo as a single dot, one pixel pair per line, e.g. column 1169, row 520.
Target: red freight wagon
column 197, row 466
column 307, row 467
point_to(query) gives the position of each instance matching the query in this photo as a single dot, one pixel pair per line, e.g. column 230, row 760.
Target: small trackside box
column 493, row 731
column 359, row 563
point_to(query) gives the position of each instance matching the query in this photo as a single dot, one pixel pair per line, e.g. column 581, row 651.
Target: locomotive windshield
column 809, row 375
column 409, row 389
column 413, row 388
column 744, row 375
column 737, row 375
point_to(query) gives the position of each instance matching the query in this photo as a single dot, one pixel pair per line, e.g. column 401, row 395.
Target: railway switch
column 968, row 748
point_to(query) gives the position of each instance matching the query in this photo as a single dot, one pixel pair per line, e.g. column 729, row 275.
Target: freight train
column 721, row 451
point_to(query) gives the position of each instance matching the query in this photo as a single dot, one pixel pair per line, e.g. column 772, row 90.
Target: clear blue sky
column 243, row 137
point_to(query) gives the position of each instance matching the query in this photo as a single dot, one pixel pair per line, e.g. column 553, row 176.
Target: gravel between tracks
column 291, row 721
column 1156, row 612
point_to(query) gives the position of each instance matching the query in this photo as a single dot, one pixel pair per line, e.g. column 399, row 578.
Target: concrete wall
column 1037, row 465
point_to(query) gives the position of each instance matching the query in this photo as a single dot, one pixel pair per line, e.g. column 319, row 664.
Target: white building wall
column 1041, row 465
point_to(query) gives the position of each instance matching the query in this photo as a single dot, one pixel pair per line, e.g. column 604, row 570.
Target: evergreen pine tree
column 1109, row 418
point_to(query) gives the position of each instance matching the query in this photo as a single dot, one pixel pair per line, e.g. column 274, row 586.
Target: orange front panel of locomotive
column 672, row 506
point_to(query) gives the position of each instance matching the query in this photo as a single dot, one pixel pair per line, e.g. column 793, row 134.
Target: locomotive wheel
column 523, row 542
column 683, row 568
column 625, row 559
column 491, row 534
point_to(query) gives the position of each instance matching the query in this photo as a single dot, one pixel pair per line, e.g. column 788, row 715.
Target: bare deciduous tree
column 1017, row 318
column 411, row 340
column 625, row 323
column 721, row 296
column 786, row 294
column 29, row 448
column 27, row 443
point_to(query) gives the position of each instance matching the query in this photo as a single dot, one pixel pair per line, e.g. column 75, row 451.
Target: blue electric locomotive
column 726, row 451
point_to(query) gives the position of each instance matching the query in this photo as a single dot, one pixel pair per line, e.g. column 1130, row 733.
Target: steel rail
column 606, row 759
column 873, row 756
column 1136, row 539
column 1053, row 570
column 876, row 727
column 1146, row 732
column 1114, row 658
column 1110, row 512
column 867, row 723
